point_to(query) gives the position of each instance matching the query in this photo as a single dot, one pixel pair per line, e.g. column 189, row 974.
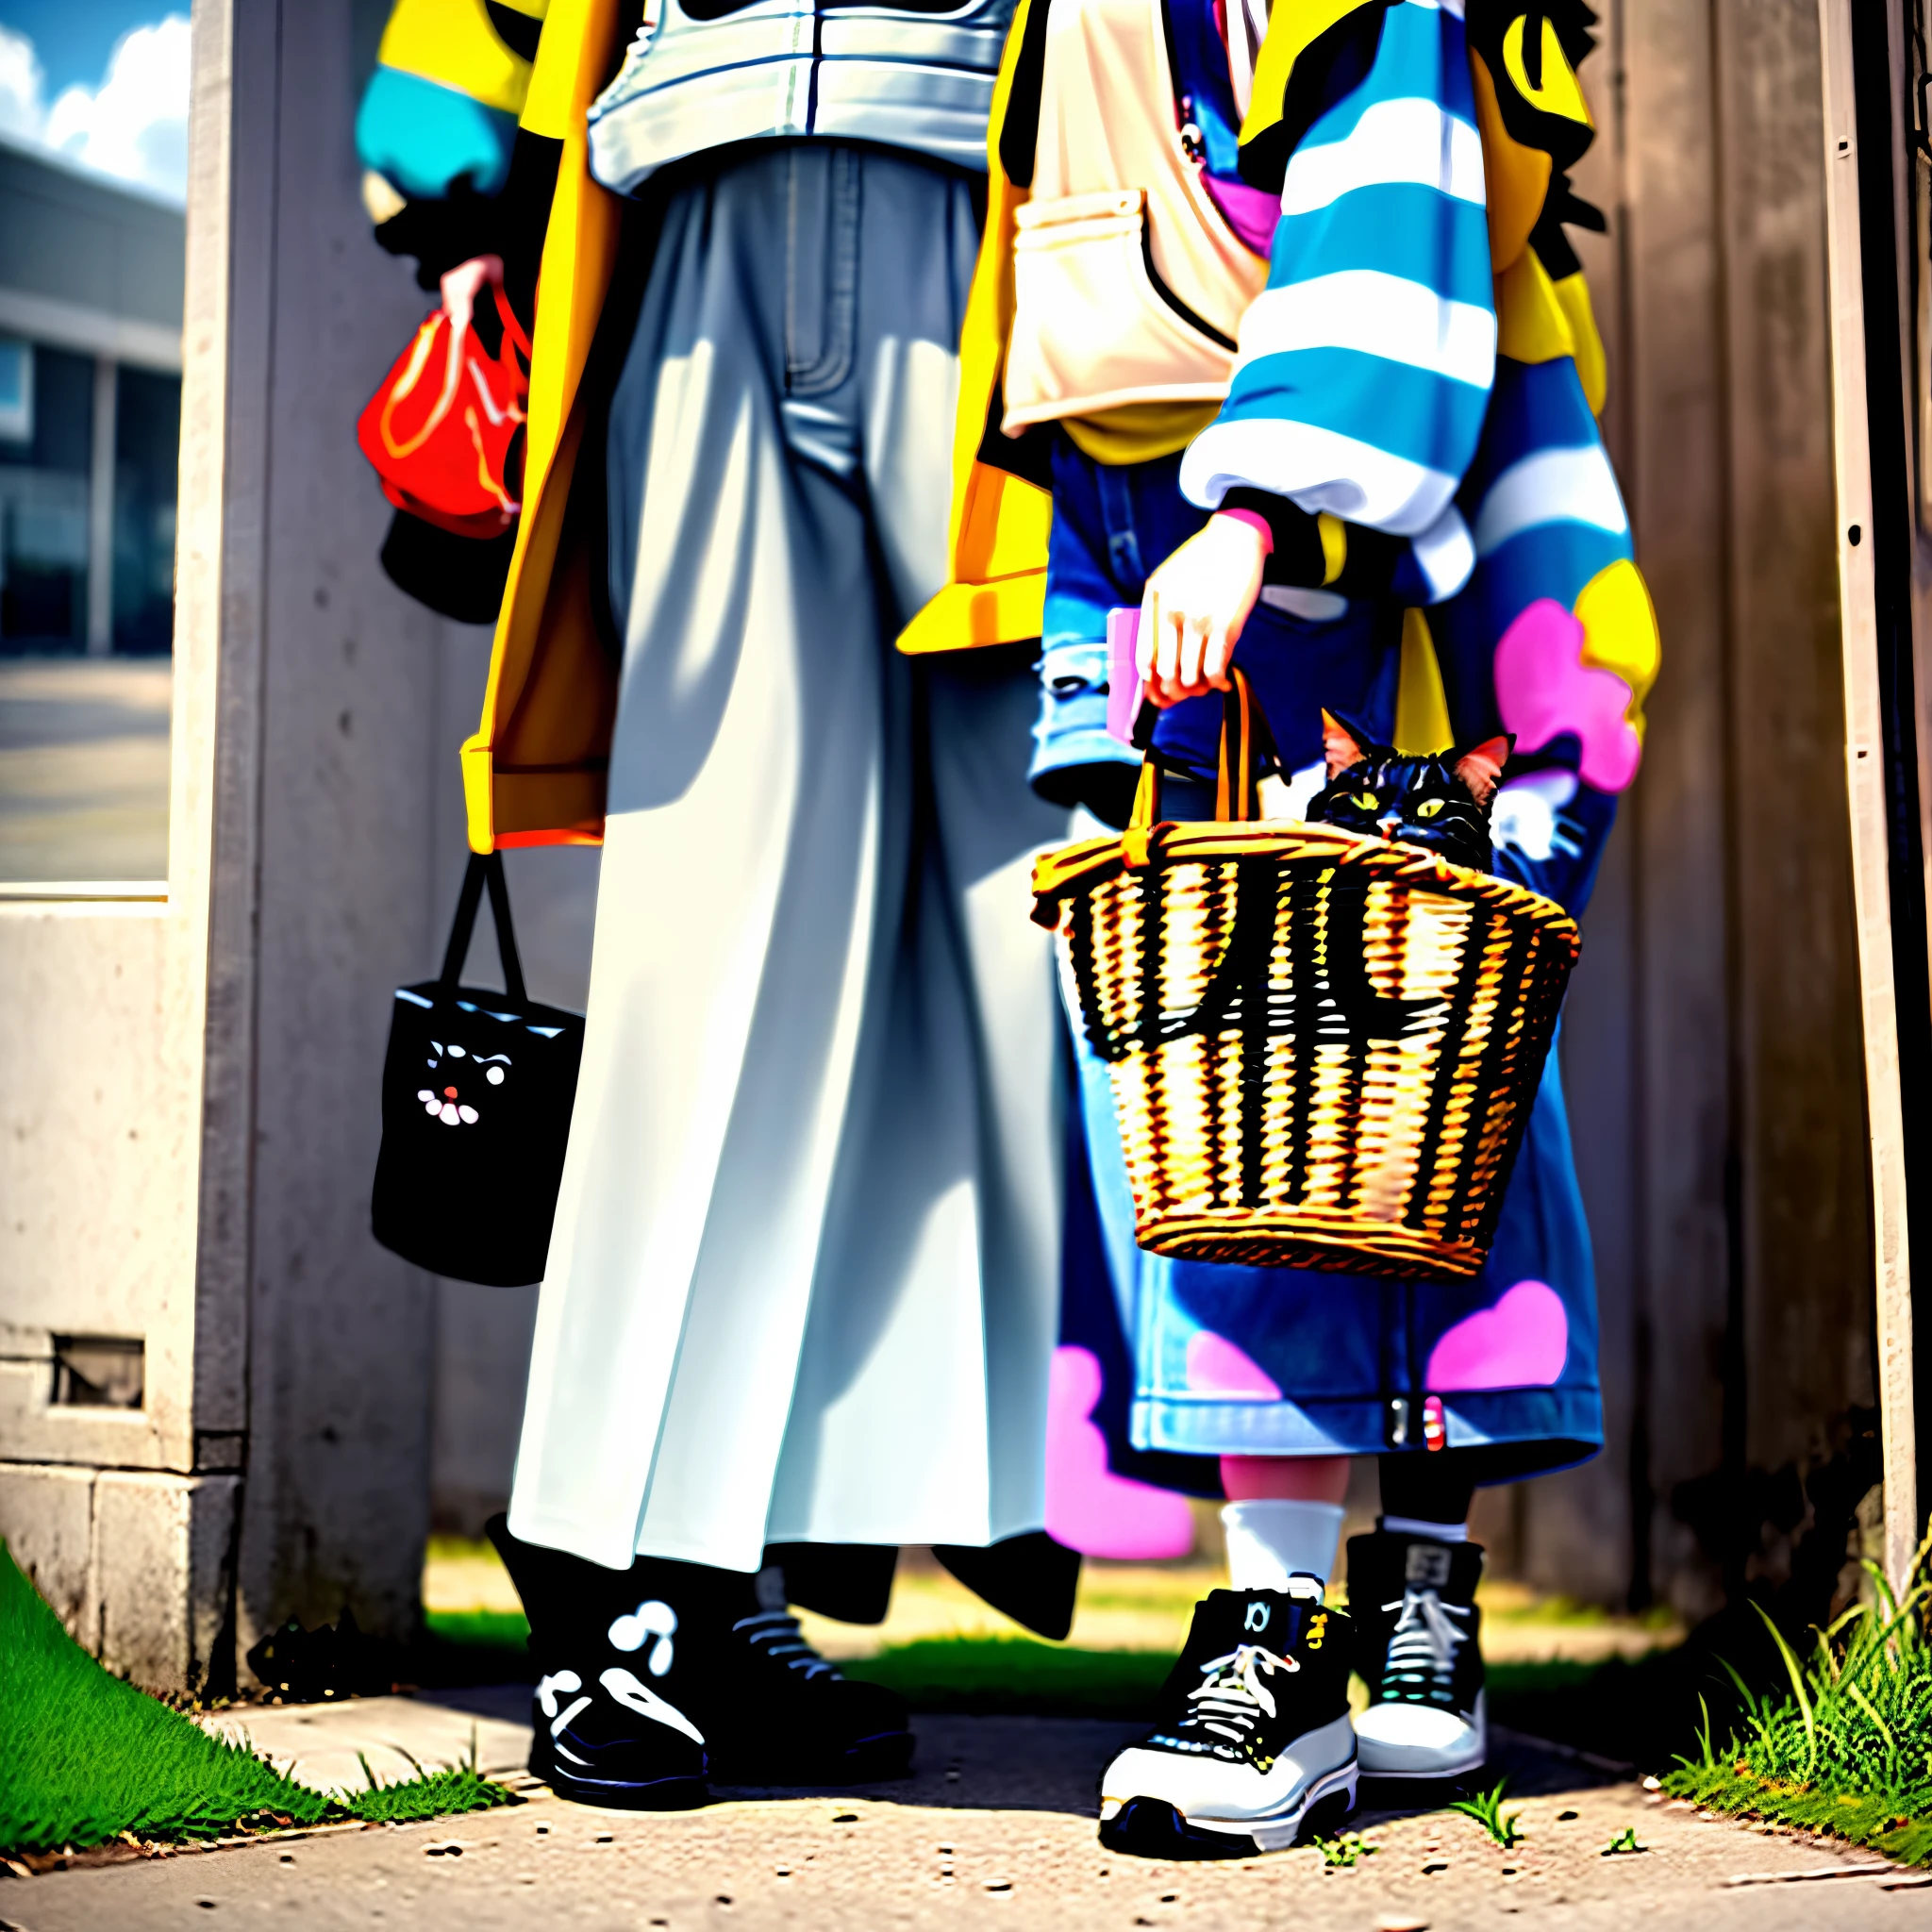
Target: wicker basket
column 1324, row 1047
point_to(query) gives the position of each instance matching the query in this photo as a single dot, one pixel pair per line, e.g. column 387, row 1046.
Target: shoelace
column 1422, row 1650
column 776, row 1633
column 1230, row 1696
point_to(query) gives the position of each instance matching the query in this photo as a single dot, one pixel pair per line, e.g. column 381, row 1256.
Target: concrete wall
column 192, row 1108
column 326, row 856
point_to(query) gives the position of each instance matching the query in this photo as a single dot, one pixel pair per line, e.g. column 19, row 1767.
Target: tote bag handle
column 1243, row 733
column 486, row 868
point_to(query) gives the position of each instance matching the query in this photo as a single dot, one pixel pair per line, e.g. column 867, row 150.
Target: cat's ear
column 1342, row 743
column 1481, row 765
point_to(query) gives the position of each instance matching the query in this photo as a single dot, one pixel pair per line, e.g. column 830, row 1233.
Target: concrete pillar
column 191, row 1103
column 325, row 897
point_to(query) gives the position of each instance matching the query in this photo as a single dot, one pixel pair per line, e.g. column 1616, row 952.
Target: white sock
column 1436, row 1532
column 1271, row 1538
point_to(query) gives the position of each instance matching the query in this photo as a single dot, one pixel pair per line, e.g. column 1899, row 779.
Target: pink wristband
column 1257, row 522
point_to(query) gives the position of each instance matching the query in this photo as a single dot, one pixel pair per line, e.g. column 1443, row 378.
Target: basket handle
column 1244, row 730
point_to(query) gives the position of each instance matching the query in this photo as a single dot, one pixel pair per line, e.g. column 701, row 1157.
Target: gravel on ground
column 994, row 1828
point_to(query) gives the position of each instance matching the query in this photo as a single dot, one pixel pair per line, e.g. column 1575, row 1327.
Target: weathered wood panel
column 1806, row 1246
column 1712, row 1044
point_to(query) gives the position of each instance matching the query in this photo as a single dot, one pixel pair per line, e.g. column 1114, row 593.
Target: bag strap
column 1243, row 734
column 486, row 868
column 512, row 328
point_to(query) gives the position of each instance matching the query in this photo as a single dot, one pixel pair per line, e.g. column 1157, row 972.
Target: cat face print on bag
column 1439, row 801
column 459, row 1080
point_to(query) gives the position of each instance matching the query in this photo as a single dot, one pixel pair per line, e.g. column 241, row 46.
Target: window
column 16, row 392
column 92, row 276
column 43, row 503
column 147, row 435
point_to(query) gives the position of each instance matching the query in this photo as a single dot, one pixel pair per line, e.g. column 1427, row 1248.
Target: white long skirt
column 804, row 1279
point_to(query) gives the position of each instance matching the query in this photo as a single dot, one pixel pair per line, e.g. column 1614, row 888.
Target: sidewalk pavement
column 993, row 1828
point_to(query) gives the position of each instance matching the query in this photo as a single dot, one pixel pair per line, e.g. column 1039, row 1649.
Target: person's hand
column 463, row 284
column 1194, row 610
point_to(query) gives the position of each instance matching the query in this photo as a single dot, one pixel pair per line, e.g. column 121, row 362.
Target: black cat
column 1440, row 801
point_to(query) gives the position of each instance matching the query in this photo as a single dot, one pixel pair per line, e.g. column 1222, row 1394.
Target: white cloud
column 133, row 126
column 21, row 110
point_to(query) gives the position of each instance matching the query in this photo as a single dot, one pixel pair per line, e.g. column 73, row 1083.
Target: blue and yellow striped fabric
column 1366, row 364
column 1541, row 499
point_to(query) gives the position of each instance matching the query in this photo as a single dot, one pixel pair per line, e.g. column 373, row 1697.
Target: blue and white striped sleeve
column 1366, row 364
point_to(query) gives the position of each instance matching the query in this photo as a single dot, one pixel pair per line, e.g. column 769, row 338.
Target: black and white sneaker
column 1417, row 1650
column 616, row 1740
column 654, row 1680
column 1254, row 1746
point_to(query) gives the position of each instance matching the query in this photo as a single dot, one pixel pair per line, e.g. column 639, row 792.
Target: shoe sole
column 659, row 1794
column 1154, row 1829
column 1435, row 1775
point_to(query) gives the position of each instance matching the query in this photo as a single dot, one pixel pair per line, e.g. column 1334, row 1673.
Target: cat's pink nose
column 1387, row 826
column 449, row 1092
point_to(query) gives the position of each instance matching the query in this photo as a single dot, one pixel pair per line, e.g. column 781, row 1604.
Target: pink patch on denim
column 1521, row 1342
column 1217, row 1367
column 1089, row 1507
column 1543, row 688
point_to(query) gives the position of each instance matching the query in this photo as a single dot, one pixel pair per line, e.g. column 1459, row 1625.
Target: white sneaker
column 1418, row 1651
column 1420, row 1741
column 1255, row 1745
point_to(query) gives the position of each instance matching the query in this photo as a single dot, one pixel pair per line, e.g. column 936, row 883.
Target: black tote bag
column 477, row 1096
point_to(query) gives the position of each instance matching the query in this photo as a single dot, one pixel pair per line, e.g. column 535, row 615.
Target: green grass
column 1568, row 1613
column 1019, row 1676
column 90, row 1758
column 986, row 1674
column 1345, row 1853
column 1845, row 1744
column 1016, row 1674
column 1486, row 1807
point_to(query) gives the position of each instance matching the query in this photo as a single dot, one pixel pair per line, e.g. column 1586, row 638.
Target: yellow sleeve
column 452, row 44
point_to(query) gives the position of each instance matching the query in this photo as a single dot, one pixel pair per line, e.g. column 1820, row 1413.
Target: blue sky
column 103, row 83
column 73, row 37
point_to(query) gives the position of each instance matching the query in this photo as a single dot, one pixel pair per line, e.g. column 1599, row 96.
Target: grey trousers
column 803, row 1278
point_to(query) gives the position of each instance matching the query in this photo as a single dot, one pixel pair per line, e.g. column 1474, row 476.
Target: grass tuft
column 1344, row 1853
column 90, row 1758
column 1849, row 1749
column 1486, row 1807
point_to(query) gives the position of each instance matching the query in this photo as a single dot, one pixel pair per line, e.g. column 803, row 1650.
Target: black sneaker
column 616, row 1740
column 656, row 1679
column 1419, row 1651
column 1254, row 1746
column 784, row 1715
column 622, row 1660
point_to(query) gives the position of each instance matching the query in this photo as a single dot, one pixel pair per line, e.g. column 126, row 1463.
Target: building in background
column 92, row 276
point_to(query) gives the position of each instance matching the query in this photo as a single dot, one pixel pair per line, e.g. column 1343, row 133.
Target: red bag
column 440, row 429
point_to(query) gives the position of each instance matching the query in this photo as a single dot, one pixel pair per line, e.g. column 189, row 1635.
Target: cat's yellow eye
column 1365, row 801
column 1429, row 807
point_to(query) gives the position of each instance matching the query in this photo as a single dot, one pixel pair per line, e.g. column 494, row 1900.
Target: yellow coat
column 534, row 770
